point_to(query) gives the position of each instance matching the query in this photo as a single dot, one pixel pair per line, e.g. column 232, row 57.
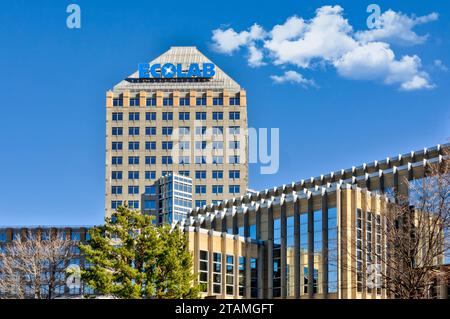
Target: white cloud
column 376, row 61
column 329, row 40
column 228, row 41
column 256, row 56
column 395, row 27
column 292, row 77
column 440, row 65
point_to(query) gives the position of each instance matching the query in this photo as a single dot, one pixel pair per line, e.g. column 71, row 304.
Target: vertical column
column 209, row 98
column 243, row 98
column 192, row 98
column 283, row 251
column 235, row 223
column 246, row 224
column 310, row 247
column 269, row 294
column 226, row 98
column 109, row 99
column 297, row 248
column 126, row 99
column 176, row 98
column 159, row 98
column 325, row 244
column 142, row 99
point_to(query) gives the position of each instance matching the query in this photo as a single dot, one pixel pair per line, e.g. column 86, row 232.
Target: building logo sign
column 169, row 70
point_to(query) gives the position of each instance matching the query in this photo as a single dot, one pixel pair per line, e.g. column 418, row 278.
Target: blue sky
column 54, row 79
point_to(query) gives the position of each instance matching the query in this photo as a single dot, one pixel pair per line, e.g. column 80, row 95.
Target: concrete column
column 269, row 293
column 310, row 247
column 325, row 244
column 283, row 251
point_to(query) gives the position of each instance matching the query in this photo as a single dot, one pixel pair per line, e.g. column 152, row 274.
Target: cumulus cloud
column 228, row 41
column 395, row 27
column 292, row 77
column 328, row 39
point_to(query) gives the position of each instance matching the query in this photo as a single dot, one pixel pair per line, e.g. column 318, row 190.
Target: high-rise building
column 177, row 114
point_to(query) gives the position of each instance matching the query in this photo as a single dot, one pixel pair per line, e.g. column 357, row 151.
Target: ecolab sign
column 169, row 70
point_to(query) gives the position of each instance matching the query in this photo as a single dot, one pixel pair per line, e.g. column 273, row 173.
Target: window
column 184, row 116
column 234, row 145
column 234, row 130
column 185, row 101
column 368, row 245
column 229, row 275
column 217, row 145
column 304, row 253
column 167, row 101
column 253, row 278
column 117, row 102
column 217, row 273
column 234, row 174
column 200, row 189
column 134, row 102
column 133, row 116
column 241, row 276
column 217, row 116
column 217, row 159
column 217, row 130
column 167, row 130
column 317, row 249
column 359, row 251
column 133, row 160
column 117, row 131
column 200, row 160
column 252, row 231
column 116, row 190
column 200, row 130
column 150, row 116
column 290, row 257
column 200, row 145
column 234, row 159
column 277, row 258
column 167, row 116
column 75, row 235
column 184, row 173
column 166, row 160
column 150, row 146
column 116, row 175
column 234, row 189
column 150, row 131
column 133, row 175
column 133, row 131
column 217, row 174
column 117, row 146
column 167, row 145
column 133, row 204
column 116, row 204
column 200, row 116
column 234, row 116
column 150, row 204
column 184, row 130
column 116, row 160
column 182, row 160
column 217, row 189
column 332, row 251
column 150, row 190
column 2, row 236
column 133, row 146
column 217, row 101
column 203, row 270
column 117, row 116
column 200, row 203
column 151, row 102
column 150, row 160
column 150, row 174
column 183, row 145
column 133, row 190
column 200, row 101
column 235, row 101
column 200, row 174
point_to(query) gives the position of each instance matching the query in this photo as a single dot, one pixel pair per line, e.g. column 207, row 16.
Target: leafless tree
column 413, row 239
column 34, row 267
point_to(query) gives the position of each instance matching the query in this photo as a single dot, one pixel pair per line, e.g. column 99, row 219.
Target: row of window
column 135, row 175
column 184, row 101
column 44, row 235
column 182, row 116
column 183, row 145
column 199, row 189
column 168, row 160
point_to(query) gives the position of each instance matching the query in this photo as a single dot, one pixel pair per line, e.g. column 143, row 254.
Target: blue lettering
column 153, row 70
column 194, row 71
column 208, row 70
column 144, row 70
column 168, row 70
column 180, row 73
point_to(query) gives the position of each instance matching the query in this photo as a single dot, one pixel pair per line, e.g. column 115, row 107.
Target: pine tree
column 132, row 258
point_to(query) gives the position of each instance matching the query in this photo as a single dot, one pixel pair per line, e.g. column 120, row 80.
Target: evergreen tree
column 130, row 257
